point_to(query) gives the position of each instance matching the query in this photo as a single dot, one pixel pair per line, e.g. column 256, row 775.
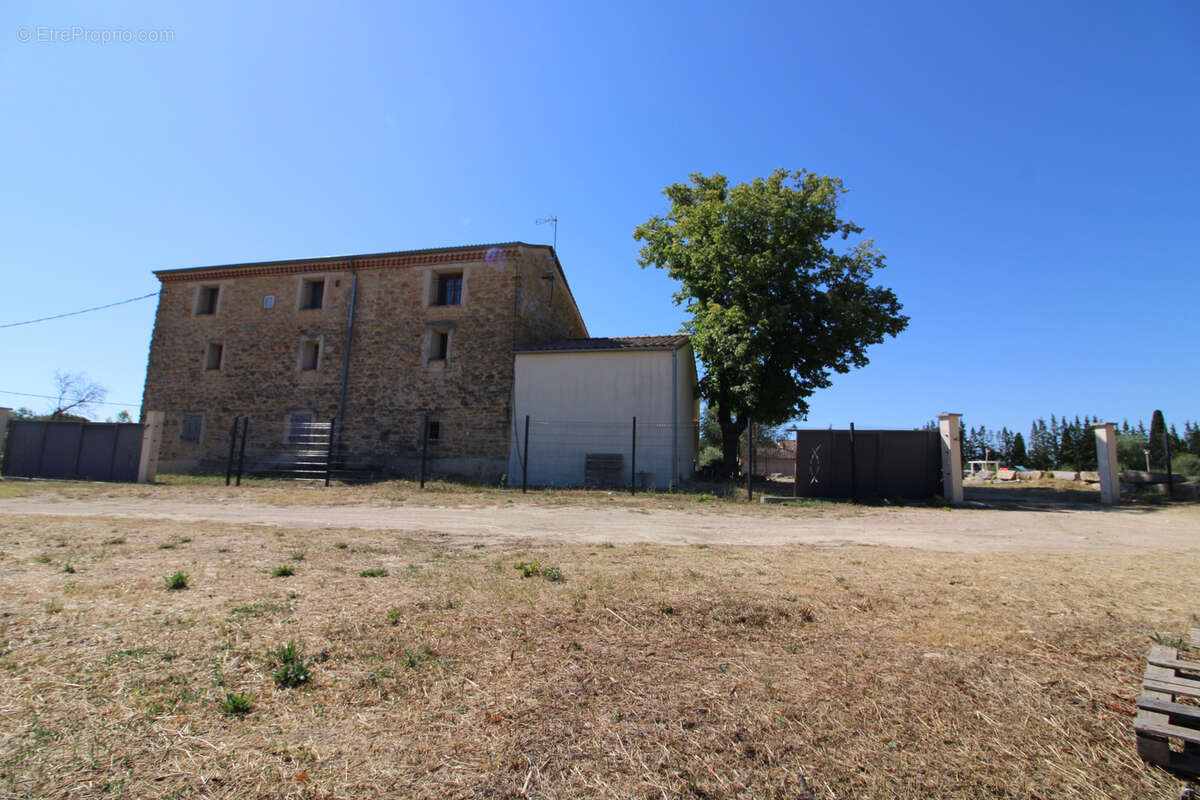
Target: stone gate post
column 952, row 474
column 151, row 439
column 1106, row 460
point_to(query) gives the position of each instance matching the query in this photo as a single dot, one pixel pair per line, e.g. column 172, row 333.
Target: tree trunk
column 731, row 432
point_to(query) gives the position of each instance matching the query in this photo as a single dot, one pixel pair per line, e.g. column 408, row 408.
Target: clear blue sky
column 1030, row 170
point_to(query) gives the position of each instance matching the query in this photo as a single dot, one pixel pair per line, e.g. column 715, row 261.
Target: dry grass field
column 646, row 671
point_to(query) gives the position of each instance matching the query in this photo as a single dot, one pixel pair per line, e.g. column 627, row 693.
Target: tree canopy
column 775, row 309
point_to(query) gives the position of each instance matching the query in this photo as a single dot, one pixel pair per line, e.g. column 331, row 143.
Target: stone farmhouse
column 375, row 343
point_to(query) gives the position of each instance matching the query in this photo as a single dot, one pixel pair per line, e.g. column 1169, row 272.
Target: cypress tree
column 1158, row 427
column 1017, row 455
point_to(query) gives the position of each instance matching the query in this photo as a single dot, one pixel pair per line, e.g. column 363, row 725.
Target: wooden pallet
column 1161, row 718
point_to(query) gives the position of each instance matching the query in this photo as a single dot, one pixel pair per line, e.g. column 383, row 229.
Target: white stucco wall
column 584, row 402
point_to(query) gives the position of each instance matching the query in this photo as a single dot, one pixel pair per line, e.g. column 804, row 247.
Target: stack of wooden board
column 1169, row 709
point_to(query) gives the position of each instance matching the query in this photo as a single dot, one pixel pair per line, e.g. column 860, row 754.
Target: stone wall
column 393, row 379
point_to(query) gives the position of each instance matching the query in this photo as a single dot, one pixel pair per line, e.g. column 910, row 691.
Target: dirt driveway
column 1050, row 529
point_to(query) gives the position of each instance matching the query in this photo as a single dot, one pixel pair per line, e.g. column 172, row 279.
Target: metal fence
column 633, row 455
column 306, row 452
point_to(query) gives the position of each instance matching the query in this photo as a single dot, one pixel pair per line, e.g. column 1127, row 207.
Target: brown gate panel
column 886, row 464
column 96, row 451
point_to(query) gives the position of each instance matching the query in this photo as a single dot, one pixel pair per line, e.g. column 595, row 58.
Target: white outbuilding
column 605, row 411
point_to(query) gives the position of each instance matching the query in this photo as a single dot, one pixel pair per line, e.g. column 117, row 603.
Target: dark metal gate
column 306, row 452
column 868, row 464
column 90, row 451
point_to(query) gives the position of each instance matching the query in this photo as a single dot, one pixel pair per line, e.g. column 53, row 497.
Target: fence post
column 151, row 440
column 633, row 461
column 4, row 412
column 796, row 468
column 951, row 440
column 424, row 447
column 329, row 453
column 232, row 449
column 242, row 450
column 525, row 459
column 853, row 468
column 1167, row 453
column 1106, row 462
column 750, row 460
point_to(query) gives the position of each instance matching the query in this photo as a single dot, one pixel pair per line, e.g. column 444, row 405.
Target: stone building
column 373, row 342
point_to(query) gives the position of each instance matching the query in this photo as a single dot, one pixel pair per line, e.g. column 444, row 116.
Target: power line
column 92, row 403
column 76, row 313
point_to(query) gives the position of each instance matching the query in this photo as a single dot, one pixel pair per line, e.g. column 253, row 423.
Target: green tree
column 1131, row 451
column 1158, row 429
column 711, row 440
column 774, row 308
column 1016, row 454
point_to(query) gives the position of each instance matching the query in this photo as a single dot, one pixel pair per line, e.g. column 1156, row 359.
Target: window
column 212, row 356
column 191, row 426
column 299, row 427
column 206, row 300
column 310, row 354
column 436, row 345
column 449, row 289
column 312, row 293
column 435, row 430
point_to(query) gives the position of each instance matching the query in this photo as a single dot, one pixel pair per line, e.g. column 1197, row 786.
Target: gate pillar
column 1106, row 461
column 952, row 475
column 151, row 439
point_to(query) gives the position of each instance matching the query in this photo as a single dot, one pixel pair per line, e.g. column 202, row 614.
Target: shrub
column 413, row 659
column 395, row 615
column 236, row 705
column 176, row 581
column 529, row 569
column 1185, row 463
column 292, row 668
column 373, row 572
column 284, row 571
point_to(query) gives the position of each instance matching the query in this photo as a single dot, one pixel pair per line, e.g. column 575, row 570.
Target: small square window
column 310, row 354
column 449, row 289
column 206, row 301
column 191, row 426
column 435, row 430
column 212, row 356
column 312, row 293
column 269, row 301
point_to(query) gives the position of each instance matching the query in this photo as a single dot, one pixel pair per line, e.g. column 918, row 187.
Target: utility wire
column 53, row 397
column 75, row 313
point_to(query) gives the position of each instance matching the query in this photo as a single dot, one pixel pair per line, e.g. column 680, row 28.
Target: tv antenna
column 553, row 221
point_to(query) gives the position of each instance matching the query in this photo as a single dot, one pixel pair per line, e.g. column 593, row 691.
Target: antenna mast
column 553, row 221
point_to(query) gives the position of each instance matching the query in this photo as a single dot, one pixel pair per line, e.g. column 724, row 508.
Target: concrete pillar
column 1106, row 460
column 952, row 474
column 151, row 440
column 4, row 412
